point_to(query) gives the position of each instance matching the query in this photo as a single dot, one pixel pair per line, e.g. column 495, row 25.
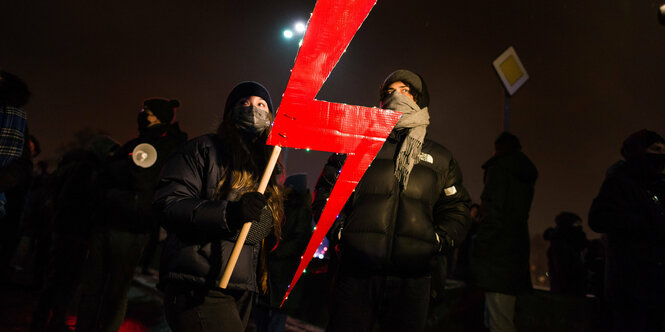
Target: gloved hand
column 444, row 243
column 247, row 209
column 261, row 228
column 251, row 207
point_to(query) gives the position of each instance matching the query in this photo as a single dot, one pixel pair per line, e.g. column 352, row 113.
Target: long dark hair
column 245, row 168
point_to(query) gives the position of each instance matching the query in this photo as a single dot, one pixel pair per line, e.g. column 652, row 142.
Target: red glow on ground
column 128, row 325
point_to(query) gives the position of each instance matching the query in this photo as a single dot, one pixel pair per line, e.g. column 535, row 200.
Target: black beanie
column 246, row 89
column 415, row 81
column 635, row 145
column 162, row 108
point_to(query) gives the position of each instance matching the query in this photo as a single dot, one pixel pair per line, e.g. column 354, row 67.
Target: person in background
column 565, row 255
column 629, row 212
column 268, row 316
column 127, row 219
column 15, row 165
column 500, row 261
column 76, row 197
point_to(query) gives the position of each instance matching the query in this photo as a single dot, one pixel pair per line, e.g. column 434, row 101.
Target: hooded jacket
column 385, row 230
column 500, row 261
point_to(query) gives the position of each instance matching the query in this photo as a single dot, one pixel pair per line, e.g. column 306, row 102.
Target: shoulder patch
column 450, row 191
column 426, row 157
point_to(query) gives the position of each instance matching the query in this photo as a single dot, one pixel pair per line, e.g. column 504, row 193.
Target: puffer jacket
column 199, row 240
column 385, row 230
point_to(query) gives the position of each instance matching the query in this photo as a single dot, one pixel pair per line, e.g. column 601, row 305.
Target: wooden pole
column 237, row 248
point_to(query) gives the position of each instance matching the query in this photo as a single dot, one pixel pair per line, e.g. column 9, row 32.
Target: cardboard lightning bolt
column 306, row 123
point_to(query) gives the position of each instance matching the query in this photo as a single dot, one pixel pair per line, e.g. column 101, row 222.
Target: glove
column 444, row 243
column 247, row 209
column 261, row 228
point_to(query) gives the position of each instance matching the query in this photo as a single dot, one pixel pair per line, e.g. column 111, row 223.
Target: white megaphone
column 144, row 155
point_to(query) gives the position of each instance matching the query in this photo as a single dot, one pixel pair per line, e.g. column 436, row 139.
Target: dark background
column 597, row 74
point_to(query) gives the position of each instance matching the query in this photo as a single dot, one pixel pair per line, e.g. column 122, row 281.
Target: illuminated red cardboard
column 305, row 123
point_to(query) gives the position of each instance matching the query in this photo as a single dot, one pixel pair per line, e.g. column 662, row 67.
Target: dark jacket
column 629, row 209
column 200, row 240
column 128, row 188
column 76, row 195
column 500, row 262
column 564, row 259
column 384, row 230
column 296, row 232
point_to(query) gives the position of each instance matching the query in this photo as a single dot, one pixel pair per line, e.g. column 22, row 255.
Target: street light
column 298, row 29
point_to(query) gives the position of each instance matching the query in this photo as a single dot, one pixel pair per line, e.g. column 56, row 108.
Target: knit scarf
column 415, row 120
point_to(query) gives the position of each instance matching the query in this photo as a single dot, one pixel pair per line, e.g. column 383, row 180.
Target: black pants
column 114, row 255
column 208, row 311
column 396, row 303
column 63, row 277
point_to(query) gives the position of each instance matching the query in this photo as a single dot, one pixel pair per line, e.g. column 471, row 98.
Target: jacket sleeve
column 323, row 188
column 613, row 210
column 180, row 196
column 451, row 211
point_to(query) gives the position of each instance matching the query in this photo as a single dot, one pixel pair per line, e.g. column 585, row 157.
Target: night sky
column 597, row 74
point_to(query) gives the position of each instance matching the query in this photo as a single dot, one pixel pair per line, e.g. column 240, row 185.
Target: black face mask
column 655, row 162
column 250, row 119
column 142, row 120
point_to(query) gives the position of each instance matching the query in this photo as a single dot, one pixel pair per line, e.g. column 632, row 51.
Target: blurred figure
column 15, row 165
column 462, row 270
column 565, row 261
column 408, row 211
column 207, row 192
column 594, row 262
column 13, row 95
column 500, row 262
column 76, row 197
column 283, row 260
column 629, row 210
column 126, row 218
column 32, row 253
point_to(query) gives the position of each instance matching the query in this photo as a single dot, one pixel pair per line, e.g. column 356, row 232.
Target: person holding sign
column 208, row 190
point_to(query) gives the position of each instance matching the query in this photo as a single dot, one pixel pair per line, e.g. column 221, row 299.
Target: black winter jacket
column 384, row 230
column 128, row 188
column 629, row 209
column 500, row 260
column 199, row 240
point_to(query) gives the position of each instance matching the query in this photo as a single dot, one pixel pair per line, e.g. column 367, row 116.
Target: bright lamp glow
column 300, row 27
column 288, row 34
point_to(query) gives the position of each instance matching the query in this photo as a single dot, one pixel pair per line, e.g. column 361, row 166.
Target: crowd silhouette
column 80, row 232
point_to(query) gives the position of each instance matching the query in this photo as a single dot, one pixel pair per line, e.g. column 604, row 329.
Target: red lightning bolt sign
column 305, row 123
